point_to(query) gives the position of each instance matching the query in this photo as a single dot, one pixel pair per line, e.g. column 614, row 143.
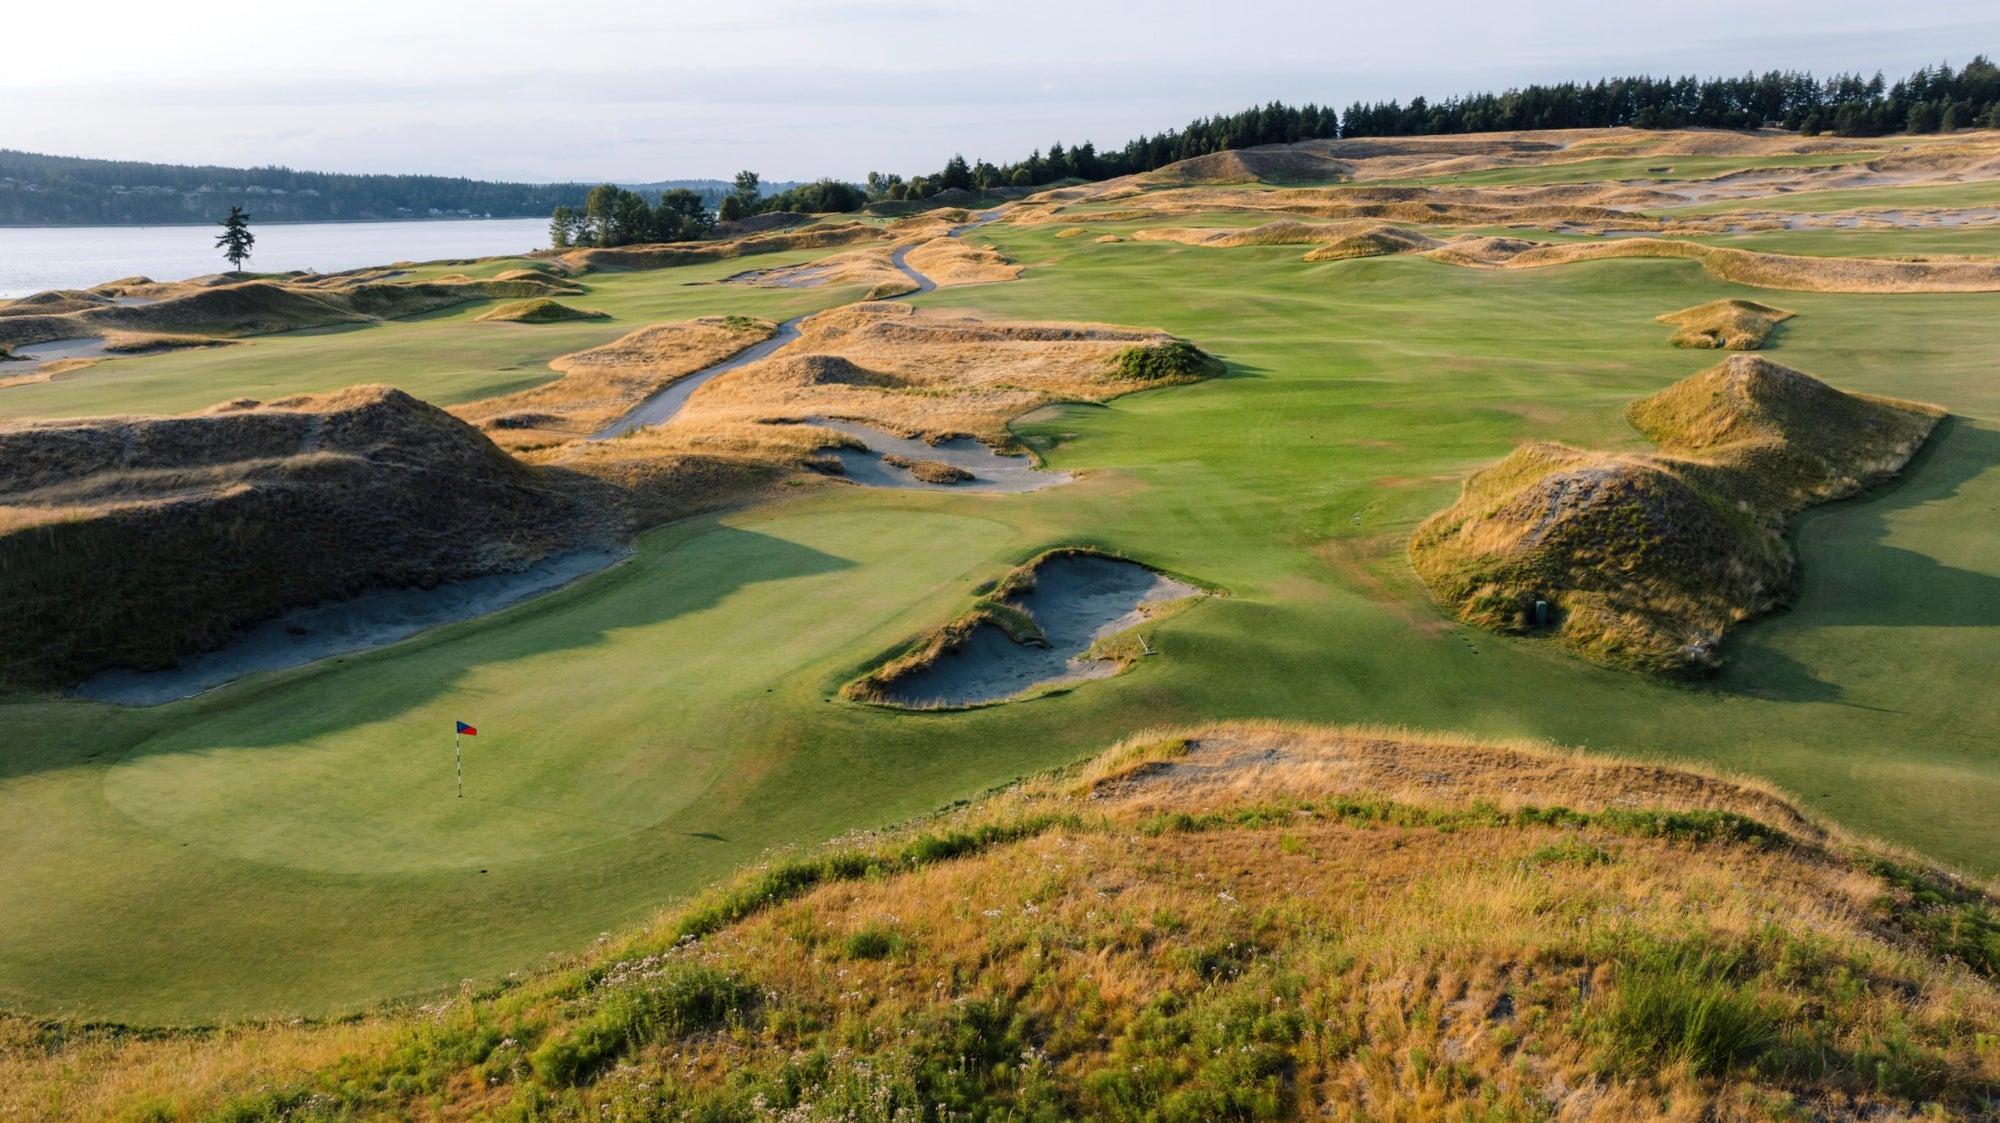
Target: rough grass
column 1731, row 324
column 929, row 471
column 135, row 541
column 603, row 383
column 819, row 236
column 1240, row 921
column 952, row 261
column 933, row 374
column 539, row 311
column 1645, row 562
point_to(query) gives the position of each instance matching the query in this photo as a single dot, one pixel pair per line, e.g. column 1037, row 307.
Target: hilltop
column 1238, row 921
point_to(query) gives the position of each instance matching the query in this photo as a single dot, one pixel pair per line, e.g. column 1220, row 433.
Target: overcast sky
column 659, row 89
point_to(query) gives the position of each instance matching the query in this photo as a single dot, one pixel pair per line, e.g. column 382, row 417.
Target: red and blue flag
column 466, row 730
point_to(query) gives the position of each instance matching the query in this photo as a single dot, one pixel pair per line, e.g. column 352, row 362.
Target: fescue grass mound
column 1792, row 439
column 1238, row 921
column 133, row 541
column 539, row 311
column 1644, row 562
column 1732, row 324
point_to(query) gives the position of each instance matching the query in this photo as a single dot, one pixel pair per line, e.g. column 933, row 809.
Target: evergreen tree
column 559, row 227
column 236, row 238
column 731, row 208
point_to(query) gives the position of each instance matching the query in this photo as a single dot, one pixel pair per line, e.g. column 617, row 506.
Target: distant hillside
column 37, row 190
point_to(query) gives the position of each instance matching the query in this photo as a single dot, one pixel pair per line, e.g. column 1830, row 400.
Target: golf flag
column 467, row 730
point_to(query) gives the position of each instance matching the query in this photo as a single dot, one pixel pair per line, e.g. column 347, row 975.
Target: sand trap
column 337, row 628
column 1077, row 600
column 786, row 276
column 661, row 407
column 990, row 470
column 34, row 356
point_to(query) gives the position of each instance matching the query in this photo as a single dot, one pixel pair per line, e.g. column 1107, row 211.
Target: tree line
column 614, row 216
column 1933, row 99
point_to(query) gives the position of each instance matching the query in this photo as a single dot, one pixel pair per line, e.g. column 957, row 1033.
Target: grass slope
column 1359, row 393
column 1246, row 921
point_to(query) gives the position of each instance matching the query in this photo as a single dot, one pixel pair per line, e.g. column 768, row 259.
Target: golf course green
column 292, row 844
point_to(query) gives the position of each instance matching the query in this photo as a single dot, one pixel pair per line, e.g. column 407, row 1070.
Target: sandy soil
column 991, row 471
column 340, row 627
column 1077, row 600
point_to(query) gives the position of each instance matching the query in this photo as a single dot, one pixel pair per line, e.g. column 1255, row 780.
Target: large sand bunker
column 1644, row 562
column 1041, row 628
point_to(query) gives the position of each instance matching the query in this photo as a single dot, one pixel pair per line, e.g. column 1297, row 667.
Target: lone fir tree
column 236, row 238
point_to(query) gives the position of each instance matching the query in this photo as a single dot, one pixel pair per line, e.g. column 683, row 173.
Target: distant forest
column 1934, row 99
column 38, row 190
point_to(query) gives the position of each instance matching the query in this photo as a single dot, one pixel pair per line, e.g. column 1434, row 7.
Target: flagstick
column 458, row 760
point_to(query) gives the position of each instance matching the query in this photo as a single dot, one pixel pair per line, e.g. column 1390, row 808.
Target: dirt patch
column 1039, row 630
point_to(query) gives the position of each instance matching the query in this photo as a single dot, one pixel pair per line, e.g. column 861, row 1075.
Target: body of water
column 38, row 258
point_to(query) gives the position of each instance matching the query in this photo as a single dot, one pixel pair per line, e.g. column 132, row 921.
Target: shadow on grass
column 662, row 583
column 1850, row 576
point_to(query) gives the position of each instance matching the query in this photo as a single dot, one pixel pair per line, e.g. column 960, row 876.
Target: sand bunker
column 989, row 471
column 342, row 627
column 1038, row 633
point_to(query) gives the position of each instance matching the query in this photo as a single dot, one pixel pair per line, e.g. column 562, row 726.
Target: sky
column 797, row 89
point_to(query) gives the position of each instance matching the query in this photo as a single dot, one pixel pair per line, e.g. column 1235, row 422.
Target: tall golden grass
column 1244, row 920
column 1646, row 562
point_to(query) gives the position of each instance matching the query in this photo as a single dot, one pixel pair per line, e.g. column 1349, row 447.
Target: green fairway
column 292, row 843
column 442, row 357
column 1631, row 168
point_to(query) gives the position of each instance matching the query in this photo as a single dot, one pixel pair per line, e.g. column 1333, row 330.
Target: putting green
column 290, row 844
column 707, row 629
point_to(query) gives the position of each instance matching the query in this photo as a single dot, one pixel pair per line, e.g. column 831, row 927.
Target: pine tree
column 236, row 238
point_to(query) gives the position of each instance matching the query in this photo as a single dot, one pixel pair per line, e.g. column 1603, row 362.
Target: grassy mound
column 928, row 373
column 929, row 471
column 134, row 541
column 693, row 253
column 1272, row 164
column 1744, row 267
column 54, row 303
column 1228, row 922
column 539, row 311
column 601, row 384
column 1731, row 324
column 1644, row 562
